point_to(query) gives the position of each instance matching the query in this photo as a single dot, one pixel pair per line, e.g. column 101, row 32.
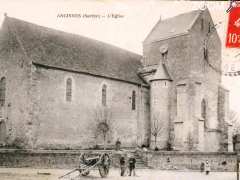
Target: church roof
column 161, row 73
column 171, row 27
column 53, row 48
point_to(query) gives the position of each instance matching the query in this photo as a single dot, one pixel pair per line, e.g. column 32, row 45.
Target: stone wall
column 163, row 160
column 41, row 159
column 16, row 111
column 62, row 124
column 196, row 78
column 178, row 59
column 206, row 72
column 190, row 160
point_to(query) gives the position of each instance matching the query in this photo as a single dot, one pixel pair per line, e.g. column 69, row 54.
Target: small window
column 2, row 91
column 104, row 95
column 69, row 90
column 204, row 111
column 164, row 57
column 133, row 100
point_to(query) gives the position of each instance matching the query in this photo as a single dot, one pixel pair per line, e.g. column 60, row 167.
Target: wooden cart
column 90, row 161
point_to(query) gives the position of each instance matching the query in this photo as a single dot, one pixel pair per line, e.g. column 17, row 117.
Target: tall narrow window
column 164, row 56
column 104, row 95
column 69, row 89
column 202, row 24
column 2, row 91
column 209, row 27
column 204, row 111
column 205, row 50
column 133, row 100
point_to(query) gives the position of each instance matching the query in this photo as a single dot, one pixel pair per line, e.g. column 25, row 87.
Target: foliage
column 234, row 119
column 156, row 129
column 190, row 142
column 103, row 118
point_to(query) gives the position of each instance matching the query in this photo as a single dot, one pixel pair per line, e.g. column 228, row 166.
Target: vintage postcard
column 117, row 89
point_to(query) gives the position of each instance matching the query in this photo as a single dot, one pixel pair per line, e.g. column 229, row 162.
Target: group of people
column 127, row 164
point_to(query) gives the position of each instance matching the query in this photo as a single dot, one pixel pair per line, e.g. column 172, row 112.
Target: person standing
column 202, row 167
column 132, row 162
column 122, row 165
column 118, row 145
column 207, row 167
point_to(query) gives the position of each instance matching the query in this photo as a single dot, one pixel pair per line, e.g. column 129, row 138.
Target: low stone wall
column 170, row 160
column 68, row 159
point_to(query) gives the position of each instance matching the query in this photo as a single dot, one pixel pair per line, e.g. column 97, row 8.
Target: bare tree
column 234, row 119
column 103, row 117
column 156, row 129
column 190, row 142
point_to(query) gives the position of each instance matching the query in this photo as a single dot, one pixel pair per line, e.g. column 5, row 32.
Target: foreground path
column 146, row 174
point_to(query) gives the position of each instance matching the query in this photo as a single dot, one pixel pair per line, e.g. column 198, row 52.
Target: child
column 207, row 167
column 202, row 167
column 122, row 165
column 132, row 162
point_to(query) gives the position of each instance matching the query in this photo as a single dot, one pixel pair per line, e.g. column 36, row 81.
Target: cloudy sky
column 128, row 31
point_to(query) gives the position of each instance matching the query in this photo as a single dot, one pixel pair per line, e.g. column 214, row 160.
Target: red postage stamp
column 233, row 30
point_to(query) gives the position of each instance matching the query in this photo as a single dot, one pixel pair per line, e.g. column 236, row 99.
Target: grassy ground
column 149, row 174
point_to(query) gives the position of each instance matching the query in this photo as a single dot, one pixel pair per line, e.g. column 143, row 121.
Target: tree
column 156, row 129
column 234, row 119
column 103, row 118
column 190, row 142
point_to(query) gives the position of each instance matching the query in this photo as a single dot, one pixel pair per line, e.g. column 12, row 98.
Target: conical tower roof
column 161, row 73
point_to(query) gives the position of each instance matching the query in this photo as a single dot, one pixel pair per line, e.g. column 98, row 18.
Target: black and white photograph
column 111, row 89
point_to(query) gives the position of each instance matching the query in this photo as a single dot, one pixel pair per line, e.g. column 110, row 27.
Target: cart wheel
column 85, row 173
column 104, row 166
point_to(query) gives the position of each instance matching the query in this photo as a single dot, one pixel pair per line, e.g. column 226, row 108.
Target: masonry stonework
column 177, row 83
column 73, row 124
column 194, row 64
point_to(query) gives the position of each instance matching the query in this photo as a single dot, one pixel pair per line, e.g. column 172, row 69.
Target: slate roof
column 161, row 73
column 173, row 26
column 53, row 48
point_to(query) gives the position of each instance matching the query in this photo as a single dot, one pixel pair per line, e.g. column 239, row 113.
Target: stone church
column 56, row 87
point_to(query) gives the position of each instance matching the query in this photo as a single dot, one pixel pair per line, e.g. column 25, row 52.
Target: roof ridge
column 73, row 34
column 188, row 12
column 168, row 21
column 196, row 17
column 74, row 52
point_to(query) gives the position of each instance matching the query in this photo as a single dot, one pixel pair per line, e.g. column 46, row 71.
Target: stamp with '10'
column 233, row 30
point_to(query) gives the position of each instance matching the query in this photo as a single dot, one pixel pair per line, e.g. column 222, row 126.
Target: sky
column 134, row 21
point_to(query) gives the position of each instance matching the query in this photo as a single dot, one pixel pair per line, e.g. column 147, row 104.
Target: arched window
column 133, row 100
column 2, row 91
column 209, row 27
column 205, row 50
column 69, row 89
column 104, row 95
column 164, row 57
column 204, row 111
column 202, row 24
